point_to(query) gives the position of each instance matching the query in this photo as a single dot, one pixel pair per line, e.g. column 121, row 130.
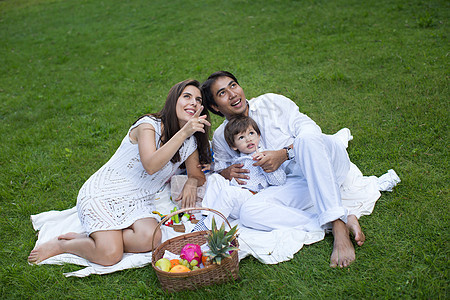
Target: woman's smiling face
column 188, row 103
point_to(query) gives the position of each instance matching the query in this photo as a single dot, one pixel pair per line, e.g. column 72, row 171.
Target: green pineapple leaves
column 219, row 242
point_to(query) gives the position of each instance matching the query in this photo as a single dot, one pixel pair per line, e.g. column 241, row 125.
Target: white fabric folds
column 269, row 247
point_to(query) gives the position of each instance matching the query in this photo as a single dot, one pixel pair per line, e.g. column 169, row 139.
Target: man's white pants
column 223, row 197
column 311, row 197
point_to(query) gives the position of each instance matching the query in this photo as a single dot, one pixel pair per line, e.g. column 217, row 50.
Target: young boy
column 242, row 135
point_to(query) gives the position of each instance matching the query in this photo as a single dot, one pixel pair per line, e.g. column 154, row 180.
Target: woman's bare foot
column 343, row 251
column 71, row 236
column 44, row 251
column 355, row 229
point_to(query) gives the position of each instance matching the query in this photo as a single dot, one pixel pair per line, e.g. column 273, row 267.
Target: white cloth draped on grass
column 268, row 247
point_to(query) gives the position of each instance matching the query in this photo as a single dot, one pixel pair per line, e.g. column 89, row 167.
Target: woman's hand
column 188, row 195
column 196, row 123
column 271, row 160
column 195, row 178
column 235, row 171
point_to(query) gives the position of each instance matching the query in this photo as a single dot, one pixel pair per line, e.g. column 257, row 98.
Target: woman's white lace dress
column 121, row 191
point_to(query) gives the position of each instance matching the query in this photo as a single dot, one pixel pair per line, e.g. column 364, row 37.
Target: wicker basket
column 212, row 274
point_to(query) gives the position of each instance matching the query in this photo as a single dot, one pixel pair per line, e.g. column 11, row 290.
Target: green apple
column 163, row 264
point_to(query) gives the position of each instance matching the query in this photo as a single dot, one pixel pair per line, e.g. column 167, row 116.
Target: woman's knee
column 149, row 236
column 149, row 242
column 108, row 247
column 111, row 255
column 156, row 240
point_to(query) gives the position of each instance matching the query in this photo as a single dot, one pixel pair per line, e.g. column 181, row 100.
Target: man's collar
column 250, row 108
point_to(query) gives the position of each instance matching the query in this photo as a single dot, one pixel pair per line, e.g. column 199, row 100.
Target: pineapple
column 219, row 243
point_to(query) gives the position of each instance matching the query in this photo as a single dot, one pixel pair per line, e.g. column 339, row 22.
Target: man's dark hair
column 236, row 125
column 208, row 97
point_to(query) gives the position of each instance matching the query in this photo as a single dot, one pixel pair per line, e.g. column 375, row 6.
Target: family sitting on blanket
column 115, row 205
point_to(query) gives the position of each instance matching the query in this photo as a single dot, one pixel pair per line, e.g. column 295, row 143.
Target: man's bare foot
column 71, row 236
column 44, row 251
column 343, row 251
column 355, row 229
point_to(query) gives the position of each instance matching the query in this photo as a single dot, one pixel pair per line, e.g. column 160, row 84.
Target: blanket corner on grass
column 268, row 247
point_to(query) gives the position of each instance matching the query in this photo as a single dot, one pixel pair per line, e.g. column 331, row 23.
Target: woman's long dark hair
column 170, row 126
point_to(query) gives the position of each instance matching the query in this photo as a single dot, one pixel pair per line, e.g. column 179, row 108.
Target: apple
column 163, row 264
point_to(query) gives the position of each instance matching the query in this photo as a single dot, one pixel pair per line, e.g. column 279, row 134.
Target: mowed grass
column 75, row 75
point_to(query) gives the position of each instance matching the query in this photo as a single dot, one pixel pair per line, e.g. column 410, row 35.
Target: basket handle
column 167, row 217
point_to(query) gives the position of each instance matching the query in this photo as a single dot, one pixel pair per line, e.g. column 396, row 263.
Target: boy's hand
column 258, row 155
column 205, row 167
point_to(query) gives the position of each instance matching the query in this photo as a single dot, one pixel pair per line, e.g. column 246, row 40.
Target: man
column 317, row 165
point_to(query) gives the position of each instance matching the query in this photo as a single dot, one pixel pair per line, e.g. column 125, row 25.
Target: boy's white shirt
column 259, row 179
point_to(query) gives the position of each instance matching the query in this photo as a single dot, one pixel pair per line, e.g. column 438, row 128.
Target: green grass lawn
column 74, row 75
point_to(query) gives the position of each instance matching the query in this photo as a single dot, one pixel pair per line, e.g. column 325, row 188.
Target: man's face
column 229, row 97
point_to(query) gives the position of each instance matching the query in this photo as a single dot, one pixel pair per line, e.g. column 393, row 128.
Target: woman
column 115, row 204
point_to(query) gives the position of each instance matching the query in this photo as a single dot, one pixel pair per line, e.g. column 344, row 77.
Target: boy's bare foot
column 355, row 229
column 71, row 236
column 44, row 251
column 343, row 251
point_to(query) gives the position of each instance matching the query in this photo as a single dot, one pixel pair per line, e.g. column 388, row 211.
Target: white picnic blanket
column 268, row 247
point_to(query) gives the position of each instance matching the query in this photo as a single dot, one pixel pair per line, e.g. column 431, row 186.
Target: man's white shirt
column 279, row 121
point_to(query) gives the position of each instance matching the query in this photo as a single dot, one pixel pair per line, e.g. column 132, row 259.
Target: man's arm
column 285, row 113
column 235, row 171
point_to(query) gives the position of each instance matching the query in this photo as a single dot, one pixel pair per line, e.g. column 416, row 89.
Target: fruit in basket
column 219, row 243
column 179, row 269
column 191, row 252
column 194, row 263
column 205, row 260
column 183, row 262
column 163, row 264
column 174, row 262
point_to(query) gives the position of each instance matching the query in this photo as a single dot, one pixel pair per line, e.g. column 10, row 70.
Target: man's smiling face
column 229, row 97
